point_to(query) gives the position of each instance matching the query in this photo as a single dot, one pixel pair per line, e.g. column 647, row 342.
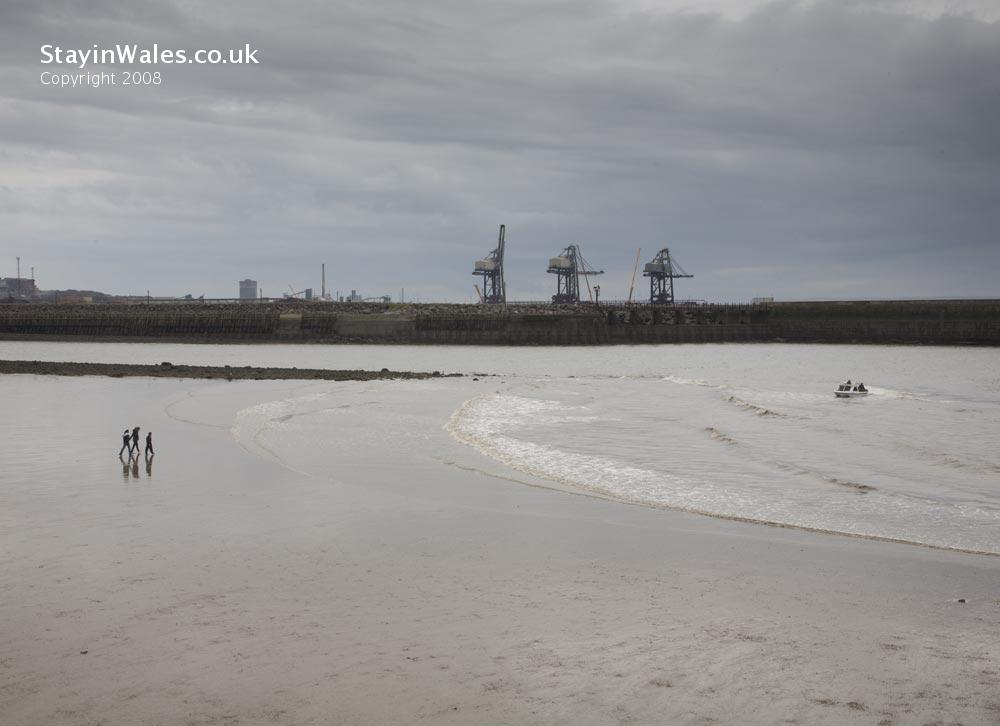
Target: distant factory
column 17, row 288
column 249, row 290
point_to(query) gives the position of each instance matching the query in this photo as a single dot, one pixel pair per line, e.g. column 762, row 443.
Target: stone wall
column 913, row 322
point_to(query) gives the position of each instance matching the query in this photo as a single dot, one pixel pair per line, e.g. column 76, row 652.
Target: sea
column 742, row 431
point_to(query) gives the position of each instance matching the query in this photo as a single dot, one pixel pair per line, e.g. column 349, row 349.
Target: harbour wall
column 954, row 322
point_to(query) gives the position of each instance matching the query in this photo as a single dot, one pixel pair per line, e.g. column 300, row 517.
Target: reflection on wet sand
column 130, row 466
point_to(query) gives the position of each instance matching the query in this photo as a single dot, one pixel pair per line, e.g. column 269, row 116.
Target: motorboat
column 848, row 390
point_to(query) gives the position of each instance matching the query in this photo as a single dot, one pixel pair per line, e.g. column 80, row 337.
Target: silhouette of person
column 149, row 444
column 126, row 444
column 135, row 439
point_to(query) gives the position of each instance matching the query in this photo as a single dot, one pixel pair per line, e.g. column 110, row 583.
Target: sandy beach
column 414, row 580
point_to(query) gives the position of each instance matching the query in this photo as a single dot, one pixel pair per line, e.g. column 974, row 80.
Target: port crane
column 568, row 268
column 491, row 270
column 661, row 273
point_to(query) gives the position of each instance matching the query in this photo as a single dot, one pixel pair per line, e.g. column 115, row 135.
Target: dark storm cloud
column 800, row 149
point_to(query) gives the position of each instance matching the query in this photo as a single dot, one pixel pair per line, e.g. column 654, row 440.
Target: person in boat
column 861, row 387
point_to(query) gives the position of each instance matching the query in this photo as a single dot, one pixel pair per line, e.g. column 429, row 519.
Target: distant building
column 18, row 288
column 248, row 289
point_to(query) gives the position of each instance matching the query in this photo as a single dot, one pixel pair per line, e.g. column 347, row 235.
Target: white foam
column 529, row 435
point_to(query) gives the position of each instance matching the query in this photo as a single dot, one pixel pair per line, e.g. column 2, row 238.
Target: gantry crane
column 568, row 267
column 661, row 273
column 491, row 270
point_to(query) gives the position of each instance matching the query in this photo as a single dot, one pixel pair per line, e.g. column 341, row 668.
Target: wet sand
column 415, row 581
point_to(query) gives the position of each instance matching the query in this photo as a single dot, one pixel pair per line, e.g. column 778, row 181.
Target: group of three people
column 130, row 442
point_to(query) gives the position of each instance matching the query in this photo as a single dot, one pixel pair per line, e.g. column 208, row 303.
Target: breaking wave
column 753, row 407
column 545, row 439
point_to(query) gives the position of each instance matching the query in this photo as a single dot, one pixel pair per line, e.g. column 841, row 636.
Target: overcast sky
column 801, row 150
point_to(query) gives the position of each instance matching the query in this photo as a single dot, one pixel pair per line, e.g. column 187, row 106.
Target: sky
column 833, row 149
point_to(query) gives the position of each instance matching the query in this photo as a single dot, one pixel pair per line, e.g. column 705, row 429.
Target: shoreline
column 229, row 373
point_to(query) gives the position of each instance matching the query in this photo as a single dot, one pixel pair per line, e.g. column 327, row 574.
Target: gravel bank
column 230, row 373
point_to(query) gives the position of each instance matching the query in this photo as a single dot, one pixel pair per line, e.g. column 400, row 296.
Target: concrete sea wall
column 908, row 322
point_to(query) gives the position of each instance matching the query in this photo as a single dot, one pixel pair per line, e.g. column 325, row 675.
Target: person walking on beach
column 135, row 439
column 149, row 444
column 126, row 444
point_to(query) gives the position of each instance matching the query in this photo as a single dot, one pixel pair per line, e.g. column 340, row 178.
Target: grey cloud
column 389, row 139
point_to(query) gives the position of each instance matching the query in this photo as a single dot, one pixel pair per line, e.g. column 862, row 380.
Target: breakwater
column 229, row 373
column 907, row 322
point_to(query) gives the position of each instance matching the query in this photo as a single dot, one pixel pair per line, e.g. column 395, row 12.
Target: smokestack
column 323, row 291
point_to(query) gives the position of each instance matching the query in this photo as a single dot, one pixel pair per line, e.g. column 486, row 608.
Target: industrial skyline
column 801, row 150
column 570, row 267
